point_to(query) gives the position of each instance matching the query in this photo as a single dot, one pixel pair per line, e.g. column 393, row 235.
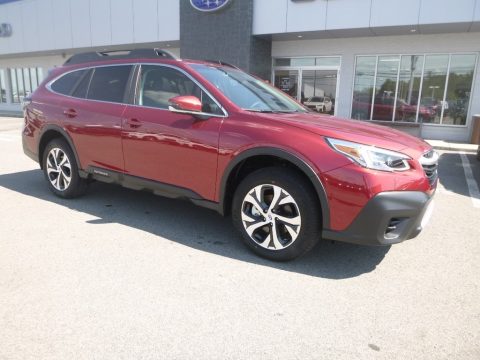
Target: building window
column 421, row 88
column 308, row 61
column 363, row 88
column 3, row 87
column 459, row 87
column 23, row 81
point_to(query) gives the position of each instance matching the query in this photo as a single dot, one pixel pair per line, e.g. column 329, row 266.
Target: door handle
column 70, row 113
column 134, row 123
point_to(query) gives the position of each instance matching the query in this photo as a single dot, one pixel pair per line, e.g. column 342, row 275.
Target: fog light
column 392, row 227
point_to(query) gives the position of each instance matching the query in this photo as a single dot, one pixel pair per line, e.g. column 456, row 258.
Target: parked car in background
column 383, row 110
column 406, row 111
column 212, row 134
column 322, row 104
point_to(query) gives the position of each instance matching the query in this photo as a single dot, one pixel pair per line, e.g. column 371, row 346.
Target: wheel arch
column 229, row 180
column 50, row 132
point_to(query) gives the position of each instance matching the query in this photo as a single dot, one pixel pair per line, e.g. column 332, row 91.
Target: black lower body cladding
column 388, row 218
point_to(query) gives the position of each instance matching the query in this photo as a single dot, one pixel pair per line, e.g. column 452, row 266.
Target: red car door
column 171, row 148
column 94, row 113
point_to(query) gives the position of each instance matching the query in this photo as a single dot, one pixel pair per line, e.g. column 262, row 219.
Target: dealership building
column 411, row 64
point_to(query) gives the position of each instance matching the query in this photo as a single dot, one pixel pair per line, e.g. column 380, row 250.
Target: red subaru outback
column 225, row 140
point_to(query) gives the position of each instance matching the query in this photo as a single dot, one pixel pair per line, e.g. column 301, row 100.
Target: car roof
column 174, row 62
column 132, row 56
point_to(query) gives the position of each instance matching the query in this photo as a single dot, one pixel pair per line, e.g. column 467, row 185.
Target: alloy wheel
column 271, row 217
column 59, row 169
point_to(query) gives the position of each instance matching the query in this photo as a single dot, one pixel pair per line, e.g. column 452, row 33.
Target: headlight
column 370, row 156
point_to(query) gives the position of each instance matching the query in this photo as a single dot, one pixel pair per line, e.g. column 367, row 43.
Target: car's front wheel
column 278, row 213
column 61, row 170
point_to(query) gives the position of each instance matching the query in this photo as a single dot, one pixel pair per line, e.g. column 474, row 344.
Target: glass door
column 287, row 81
column 314, row 83
column 319, row 90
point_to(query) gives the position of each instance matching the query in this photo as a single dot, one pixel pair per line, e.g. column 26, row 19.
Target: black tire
column 294, row 184
column 77, row 186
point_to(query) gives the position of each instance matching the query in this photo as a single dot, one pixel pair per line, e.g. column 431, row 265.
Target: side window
column 80, row 90
column 65, row 84
column 158, row 84
column 109, row 83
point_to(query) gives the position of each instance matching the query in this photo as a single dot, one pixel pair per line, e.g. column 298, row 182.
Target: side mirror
column 185, row 105
column 192, row 105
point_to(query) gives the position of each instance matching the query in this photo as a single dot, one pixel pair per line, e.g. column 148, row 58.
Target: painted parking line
column 471, row 183
column 9, row 138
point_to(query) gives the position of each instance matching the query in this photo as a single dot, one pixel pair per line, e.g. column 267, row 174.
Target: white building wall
column 80, row 23
column 357, row 16
column 52, row 25
column 379, row 17
column 348, row 48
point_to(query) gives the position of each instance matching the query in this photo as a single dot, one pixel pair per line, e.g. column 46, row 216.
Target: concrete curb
column 442, row 145
column 11, row 114
column 469, row 151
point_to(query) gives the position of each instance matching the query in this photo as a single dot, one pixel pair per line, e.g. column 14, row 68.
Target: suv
column 210, row 133
column 319, row 103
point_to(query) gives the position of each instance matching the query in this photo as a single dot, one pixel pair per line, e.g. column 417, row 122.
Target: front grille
column 429, row 162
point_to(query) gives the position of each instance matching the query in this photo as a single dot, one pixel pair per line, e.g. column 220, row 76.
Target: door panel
column 95, row 124
column 96, row 132
column 176, row 149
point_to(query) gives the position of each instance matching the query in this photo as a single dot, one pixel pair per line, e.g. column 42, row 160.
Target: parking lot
column 119, row 274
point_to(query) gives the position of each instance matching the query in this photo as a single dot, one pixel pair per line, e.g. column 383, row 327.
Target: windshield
column 246, row 91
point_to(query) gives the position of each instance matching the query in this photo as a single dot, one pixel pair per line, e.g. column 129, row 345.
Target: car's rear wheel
column 61, row 170
column 278, row 214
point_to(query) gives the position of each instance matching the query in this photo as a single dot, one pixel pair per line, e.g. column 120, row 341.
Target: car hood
column 353, row 130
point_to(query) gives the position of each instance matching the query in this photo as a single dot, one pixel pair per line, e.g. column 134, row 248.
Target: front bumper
column 388, row 218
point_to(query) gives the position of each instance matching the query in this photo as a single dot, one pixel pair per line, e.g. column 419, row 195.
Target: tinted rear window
column 109, row 83
column 80, row 90
column 67, row 82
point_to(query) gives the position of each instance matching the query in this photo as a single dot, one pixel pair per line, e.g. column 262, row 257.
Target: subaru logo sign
column 209, row 5
column 5, row 30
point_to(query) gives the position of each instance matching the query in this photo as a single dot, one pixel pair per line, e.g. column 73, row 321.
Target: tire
column 296, row 204
column 63, row 180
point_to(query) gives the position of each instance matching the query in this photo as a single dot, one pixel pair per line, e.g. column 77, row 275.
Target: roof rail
column 221, row 62
column 119, row 54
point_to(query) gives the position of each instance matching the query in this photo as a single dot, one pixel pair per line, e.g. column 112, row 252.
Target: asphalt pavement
column 120, row 274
